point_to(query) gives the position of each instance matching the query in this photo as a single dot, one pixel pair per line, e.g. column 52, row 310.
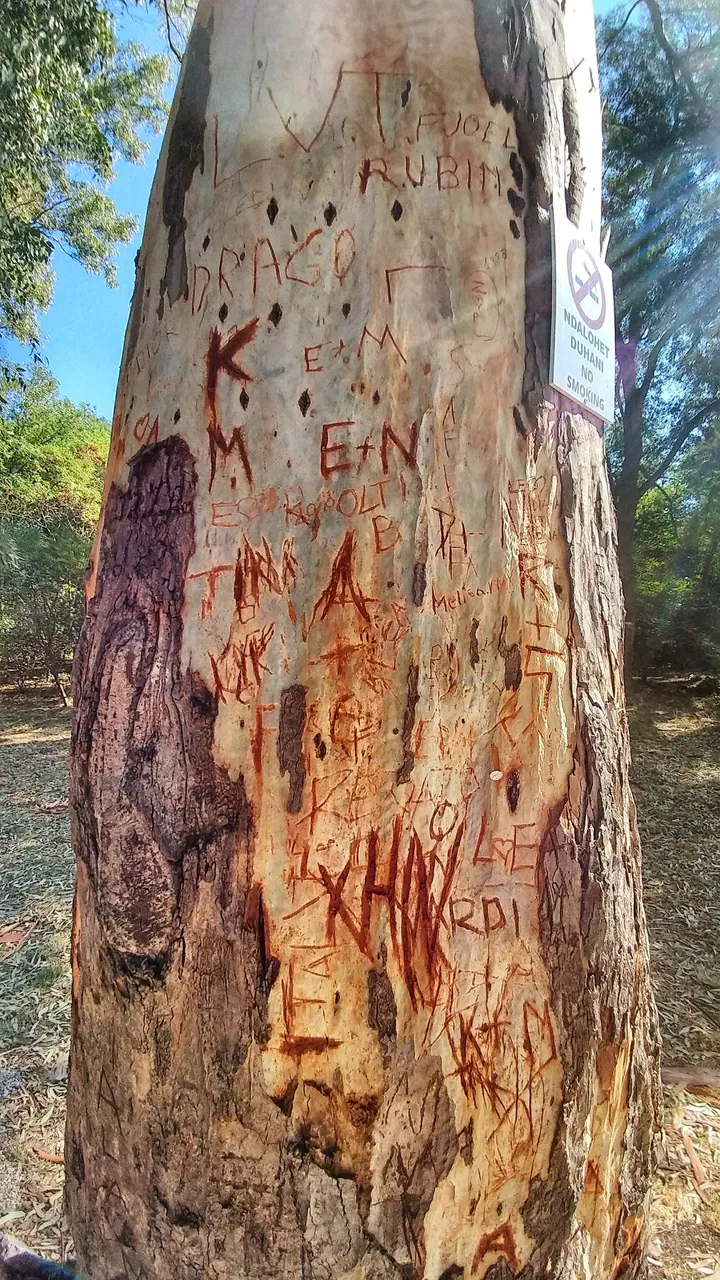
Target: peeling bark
column 359, row 966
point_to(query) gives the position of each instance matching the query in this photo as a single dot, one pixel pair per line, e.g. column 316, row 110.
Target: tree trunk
column 360, row 967
column 627, row 490
column 626, row 503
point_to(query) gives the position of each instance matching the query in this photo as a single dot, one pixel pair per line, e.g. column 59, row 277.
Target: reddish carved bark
column 360, row 971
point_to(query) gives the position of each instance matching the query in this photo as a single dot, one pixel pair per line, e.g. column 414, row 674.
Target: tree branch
column 673, row 60
column 652, row 364
column 168, row 28
column 682, row 434
column 623, row 24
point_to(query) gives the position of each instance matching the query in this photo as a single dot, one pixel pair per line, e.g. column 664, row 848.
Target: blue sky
column 85, row 326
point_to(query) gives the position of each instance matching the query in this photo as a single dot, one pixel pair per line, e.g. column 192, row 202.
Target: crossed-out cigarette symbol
column 586, row 284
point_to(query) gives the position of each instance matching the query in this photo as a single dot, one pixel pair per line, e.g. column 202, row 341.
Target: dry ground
column 676, row 743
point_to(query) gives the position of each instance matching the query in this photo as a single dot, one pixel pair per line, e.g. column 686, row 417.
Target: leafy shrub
column 52, row 458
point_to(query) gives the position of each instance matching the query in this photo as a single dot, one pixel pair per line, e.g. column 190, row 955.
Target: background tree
column 678, row 563
column 660, row 65
column 41, row 600
column 360, row 972
column 72, row 102
column 52, row 458
column 178, row 19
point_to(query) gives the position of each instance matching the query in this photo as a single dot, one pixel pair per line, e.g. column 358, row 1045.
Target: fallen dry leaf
column 54, row 806
column 699, row 1175
column 13, row 936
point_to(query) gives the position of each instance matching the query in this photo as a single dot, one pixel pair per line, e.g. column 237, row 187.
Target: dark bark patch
column 136, row 307
column 185, row 154
column 184, row 1217
column 272, row 210
column 255, row 922
column 320, row 746
column 415, row 1144
column 465, row 1142
column 547, row 1214
column 513, row 668
column 514, row 229
column 413, row 697
column 474, row 647
column 517, row 171
column 512, row 789
column 77, row 1162
column 330, row 213
column 510, row 653
column 284, row 1101
column 147, row 796
column 290, row 743
column 516, row 202
column 405, row 93
column 244, row 398
column 502, row 1271
column 419, row 581
column 271, row 973
column 223, row 313
column 382, row 1010
column 146, row 971
column 363, row 1110
column 275, row 315
column 519, row 423
column 126, row 1236
column 304, row 402
column 397, row 211
column 346, row 309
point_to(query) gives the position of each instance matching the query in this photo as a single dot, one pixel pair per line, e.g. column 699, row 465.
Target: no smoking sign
column 582, row 363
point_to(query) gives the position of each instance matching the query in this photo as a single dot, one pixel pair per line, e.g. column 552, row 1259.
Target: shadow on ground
column 676, row 778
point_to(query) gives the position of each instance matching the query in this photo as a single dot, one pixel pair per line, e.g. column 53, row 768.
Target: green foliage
column 72, row 101
column 678, row 557
column 662, row 586
column 661, row 85
column 52, row 458
column 41, row 597
column 696, row 627
column 660, row 72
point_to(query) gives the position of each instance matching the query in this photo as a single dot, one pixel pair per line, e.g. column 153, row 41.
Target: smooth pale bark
column 360, row 969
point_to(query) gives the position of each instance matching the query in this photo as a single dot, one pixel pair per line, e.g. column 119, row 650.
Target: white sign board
column 582, row 360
